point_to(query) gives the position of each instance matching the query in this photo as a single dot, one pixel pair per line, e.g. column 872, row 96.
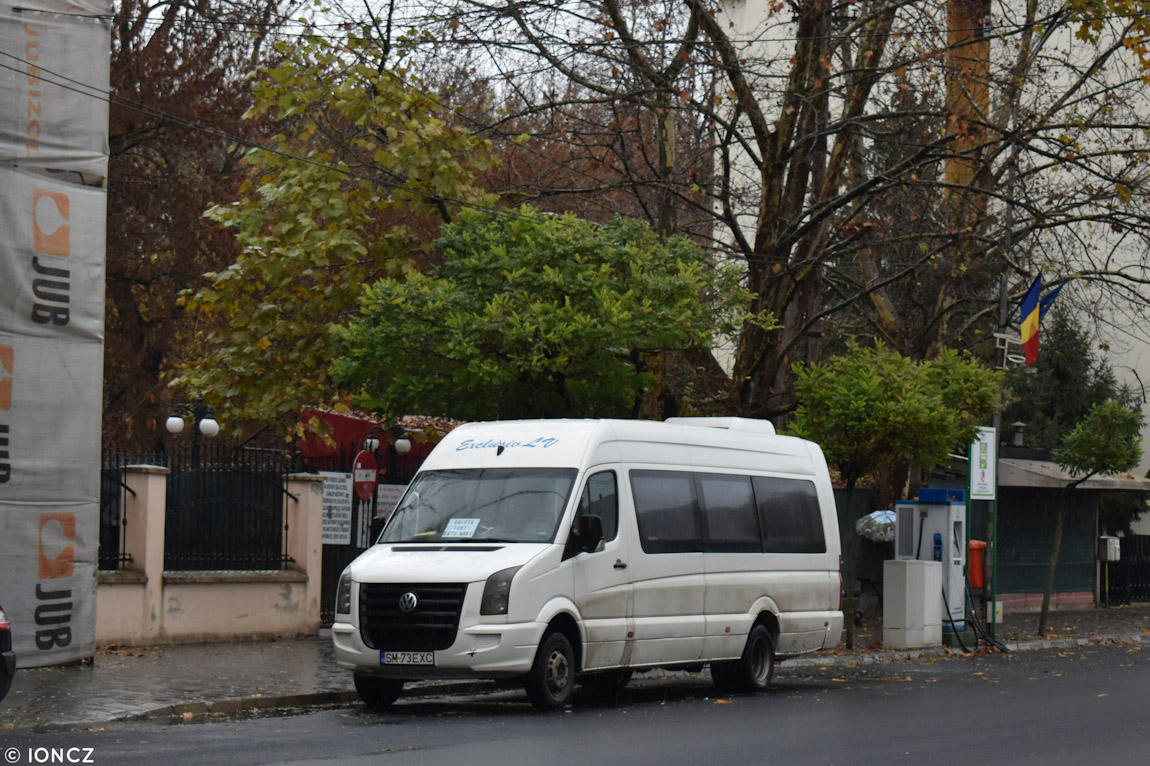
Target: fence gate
column 394, row 470
column 1130, row 577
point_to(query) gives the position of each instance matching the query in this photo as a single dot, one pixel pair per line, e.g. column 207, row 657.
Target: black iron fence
column 226, row 508
column 113, row 553
column 1129, row 578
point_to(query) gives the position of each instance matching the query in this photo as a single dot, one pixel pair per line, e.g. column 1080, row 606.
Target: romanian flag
column 1030, row 316
column 1047, row 300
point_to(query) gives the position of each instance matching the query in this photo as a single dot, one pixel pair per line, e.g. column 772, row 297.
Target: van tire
column 551, row 681
column 752, row 672
column 377, row 693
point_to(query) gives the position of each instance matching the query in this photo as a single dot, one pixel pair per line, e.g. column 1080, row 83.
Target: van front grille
column 384, row 622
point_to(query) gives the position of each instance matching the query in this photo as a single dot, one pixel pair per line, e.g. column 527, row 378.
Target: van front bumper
column 479, row 651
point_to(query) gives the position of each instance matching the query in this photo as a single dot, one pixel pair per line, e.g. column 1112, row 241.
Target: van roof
column 716, row 442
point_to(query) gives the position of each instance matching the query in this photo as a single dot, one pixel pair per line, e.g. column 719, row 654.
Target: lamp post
column 371, row 443
column 203, row 422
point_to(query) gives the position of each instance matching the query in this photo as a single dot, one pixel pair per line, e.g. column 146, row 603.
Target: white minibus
column 565, row 552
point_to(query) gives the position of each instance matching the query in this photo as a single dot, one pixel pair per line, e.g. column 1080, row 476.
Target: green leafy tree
column 175, row 68
column 1066, row 381
column 1106, row 441
column 1058, row 392
column 1117, row 511
column 874, row 407
column 531, row 315
column 858, row 157
column 360, row 170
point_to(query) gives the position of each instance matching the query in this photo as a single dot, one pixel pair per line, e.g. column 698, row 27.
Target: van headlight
column 497, row 591
column 343, row 594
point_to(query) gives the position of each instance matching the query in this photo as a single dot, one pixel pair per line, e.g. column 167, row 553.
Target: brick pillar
column 305, row 535
column 145, row 513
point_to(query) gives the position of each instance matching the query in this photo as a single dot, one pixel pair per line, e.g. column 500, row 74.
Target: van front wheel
column 751, row 672
column 551, row 680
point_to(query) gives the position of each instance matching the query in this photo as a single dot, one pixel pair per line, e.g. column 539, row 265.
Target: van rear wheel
column 752, row 672
column 377, row 693
column 551, row 680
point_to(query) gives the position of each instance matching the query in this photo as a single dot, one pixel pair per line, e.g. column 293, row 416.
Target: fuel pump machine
column 933, row 528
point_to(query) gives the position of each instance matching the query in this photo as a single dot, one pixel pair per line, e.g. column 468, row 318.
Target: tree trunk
column 847, row 535
column 1055, row 549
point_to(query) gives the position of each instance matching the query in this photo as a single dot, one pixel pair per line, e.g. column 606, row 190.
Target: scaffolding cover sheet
column 52, row 270
column 54, row 85
column 52, row 142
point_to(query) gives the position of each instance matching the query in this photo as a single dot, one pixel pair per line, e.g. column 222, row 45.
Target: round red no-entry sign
column 365, row 475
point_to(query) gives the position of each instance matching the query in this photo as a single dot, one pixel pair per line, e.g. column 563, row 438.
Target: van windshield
column 516, row 505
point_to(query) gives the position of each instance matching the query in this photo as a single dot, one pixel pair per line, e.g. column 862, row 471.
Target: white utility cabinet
column 911, row 607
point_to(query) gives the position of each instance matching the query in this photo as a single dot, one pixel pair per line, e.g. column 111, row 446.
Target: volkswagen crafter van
column 564, row 552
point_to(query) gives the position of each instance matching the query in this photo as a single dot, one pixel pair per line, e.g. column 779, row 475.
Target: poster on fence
column 53, row 208
column 387, row 496
column 337, row 499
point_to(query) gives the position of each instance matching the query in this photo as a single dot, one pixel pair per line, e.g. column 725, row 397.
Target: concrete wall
column 144, row 604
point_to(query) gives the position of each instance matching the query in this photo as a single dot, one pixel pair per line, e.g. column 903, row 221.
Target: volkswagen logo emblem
column 408, row 602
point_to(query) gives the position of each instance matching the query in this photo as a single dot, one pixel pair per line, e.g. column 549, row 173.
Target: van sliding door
column 666, row 568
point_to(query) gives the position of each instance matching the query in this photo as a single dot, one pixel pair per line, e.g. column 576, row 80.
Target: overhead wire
column 91, row 91
column 988, row 29
column 95, row 92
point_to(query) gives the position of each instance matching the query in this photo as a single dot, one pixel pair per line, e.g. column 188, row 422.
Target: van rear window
column 789, row 514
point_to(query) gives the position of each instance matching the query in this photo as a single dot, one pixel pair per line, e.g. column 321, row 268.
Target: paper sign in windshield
column 461, row 528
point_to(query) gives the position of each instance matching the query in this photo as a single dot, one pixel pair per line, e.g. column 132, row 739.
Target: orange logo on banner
column 51, row 232
column 7, row 360
column 63, row 563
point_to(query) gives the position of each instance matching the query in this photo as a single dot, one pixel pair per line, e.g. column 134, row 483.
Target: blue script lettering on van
column 543, row 442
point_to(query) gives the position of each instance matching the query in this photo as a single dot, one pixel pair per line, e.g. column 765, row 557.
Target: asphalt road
column 1049, row 707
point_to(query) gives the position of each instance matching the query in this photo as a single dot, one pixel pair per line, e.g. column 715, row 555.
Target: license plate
column 407, row 658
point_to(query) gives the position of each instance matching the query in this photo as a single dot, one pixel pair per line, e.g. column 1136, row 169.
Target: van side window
column 665, row 509
column 729, row 516
column 600, row 498
column 789, row 515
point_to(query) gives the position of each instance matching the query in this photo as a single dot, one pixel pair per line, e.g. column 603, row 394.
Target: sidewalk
column 190, row 680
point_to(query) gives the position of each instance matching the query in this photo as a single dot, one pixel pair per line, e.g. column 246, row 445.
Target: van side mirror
column 589, row 528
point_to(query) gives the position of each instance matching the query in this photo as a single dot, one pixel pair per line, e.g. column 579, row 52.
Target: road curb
column 935, row 651
column 428, row 689
column 237, row 705
column 1072, row 643
column 201, row 709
